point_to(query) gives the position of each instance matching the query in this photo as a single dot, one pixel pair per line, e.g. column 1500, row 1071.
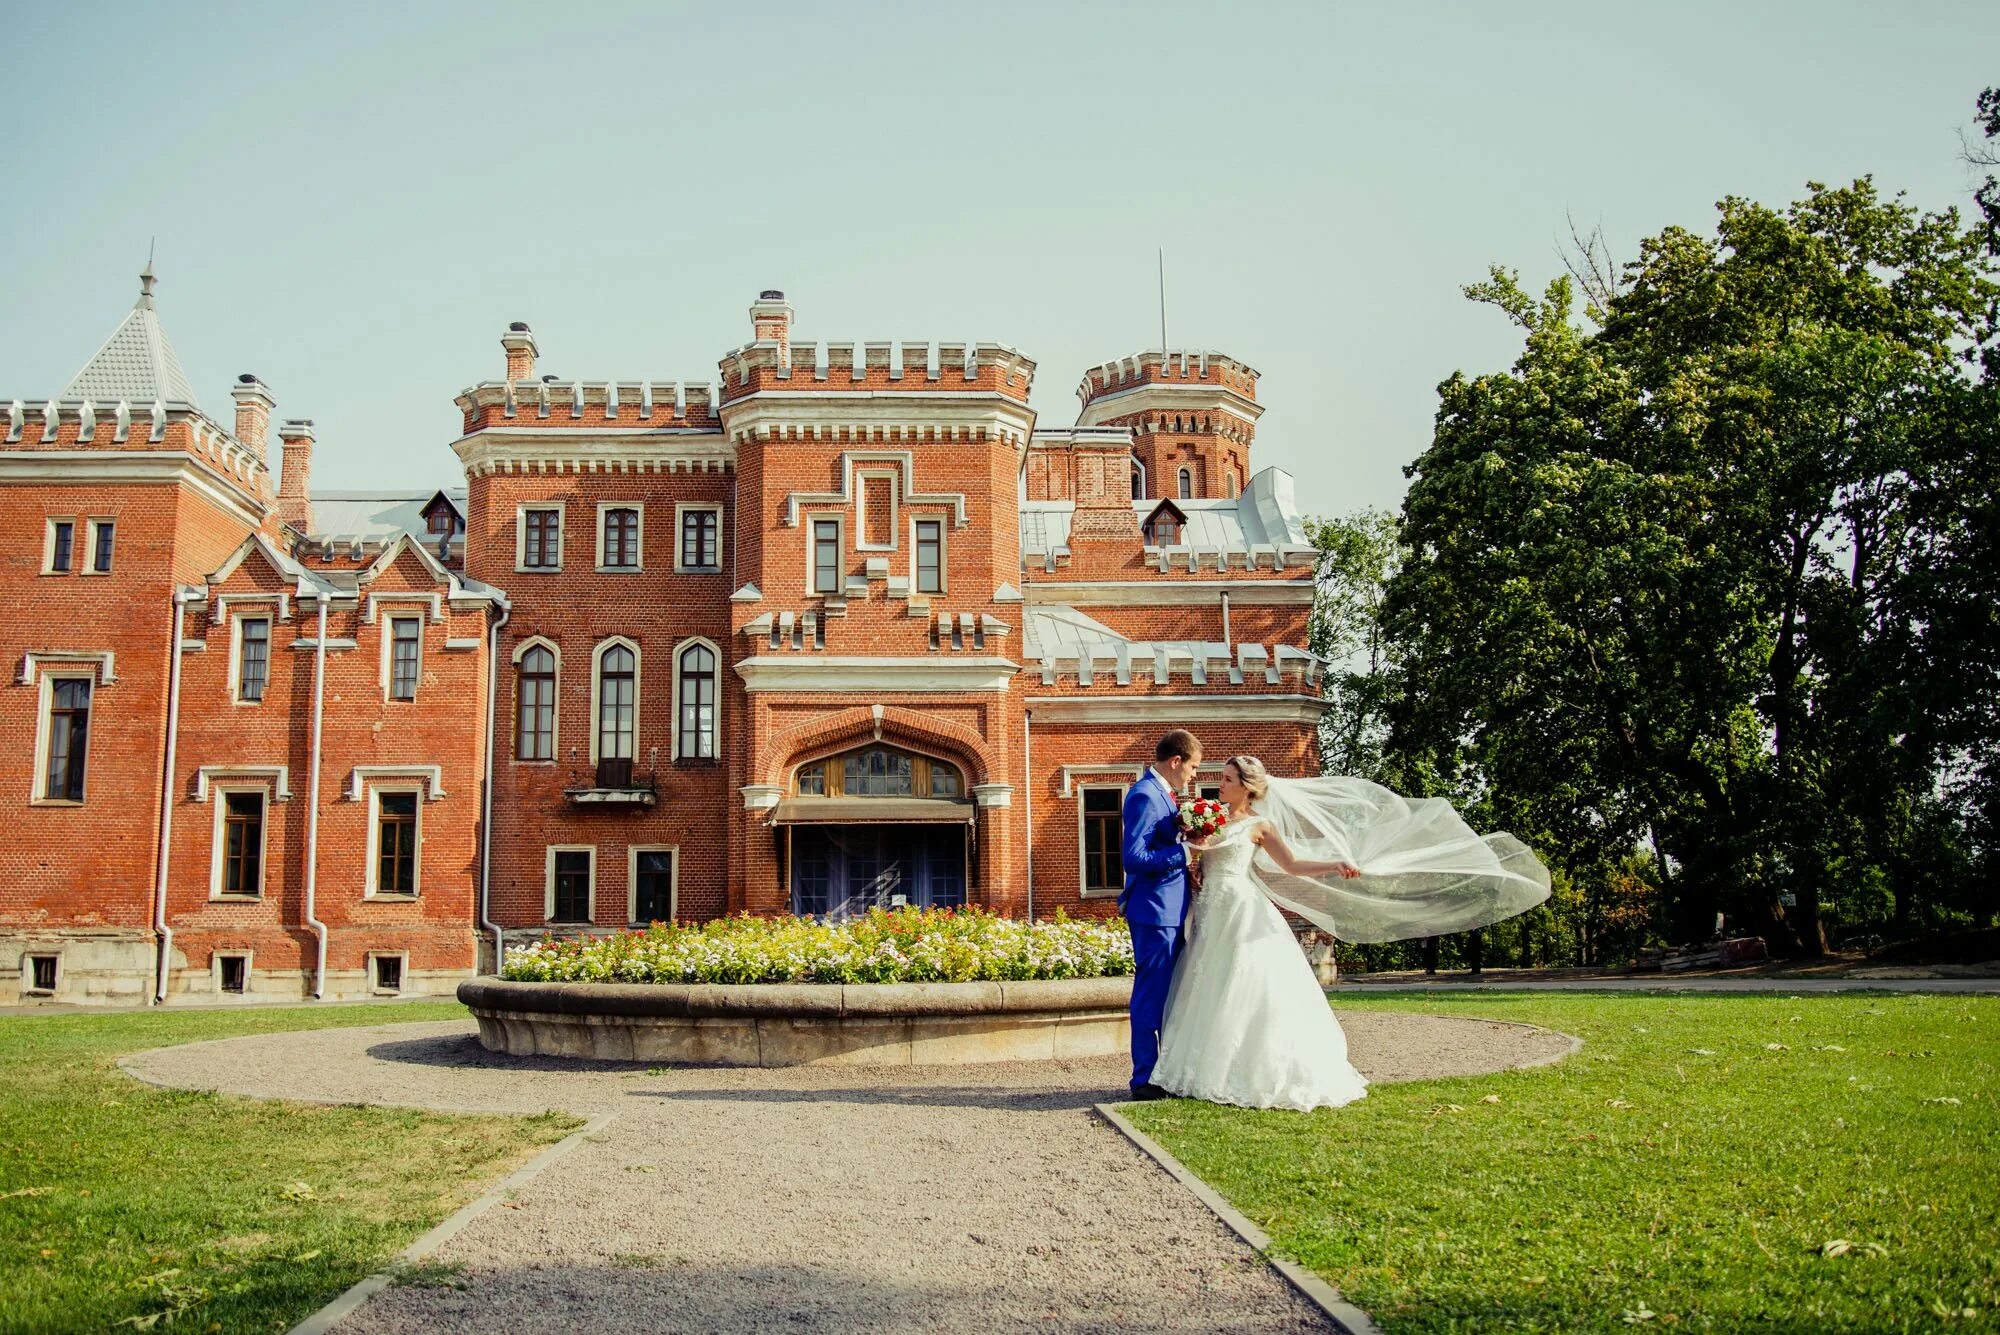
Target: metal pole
column 1163, row 301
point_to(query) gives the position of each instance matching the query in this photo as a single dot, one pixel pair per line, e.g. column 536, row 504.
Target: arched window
column 880, row 771
column 1186, row 484
column 694, row 694
column 535, row 705
column 1229, row 482
column 617, row 699
column 1138, row 480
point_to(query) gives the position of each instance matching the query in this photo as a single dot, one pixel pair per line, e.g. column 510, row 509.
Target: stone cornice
column 867, row 416
column 1177, row 708
column 593, row 449
column 1168, row 395
column 875, row 676
column 1173, row 593
column 134, row 467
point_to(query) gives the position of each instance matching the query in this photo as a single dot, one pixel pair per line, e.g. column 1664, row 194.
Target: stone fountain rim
column 824, row 1001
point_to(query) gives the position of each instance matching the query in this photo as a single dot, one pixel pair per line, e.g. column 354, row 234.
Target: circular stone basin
column 804, row 1024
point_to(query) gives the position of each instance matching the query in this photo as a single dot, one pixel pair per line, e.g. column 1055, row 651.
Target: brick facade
column 706, row 640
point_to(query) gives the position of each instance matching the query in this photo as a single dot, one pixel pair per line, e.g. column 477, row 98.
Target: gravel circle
column 972, row 1198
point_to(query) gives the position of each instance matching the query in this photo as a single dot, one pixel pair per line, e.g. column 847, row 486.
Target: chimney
column 295, row 481
column 253, row 412
column 521, row 351
column 1103, row 515
column 771, row 319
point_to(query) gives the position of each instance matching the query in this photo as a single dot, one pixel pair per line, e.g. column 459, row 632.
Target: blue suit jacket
column 1156, row 887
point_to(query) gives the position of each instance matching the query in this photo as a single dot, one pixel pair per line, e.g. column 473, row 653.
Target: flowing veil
column 1425, row 872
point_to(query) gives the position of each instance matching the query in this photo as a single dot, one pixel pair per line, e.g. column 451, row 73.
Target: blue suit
column 1155, row 904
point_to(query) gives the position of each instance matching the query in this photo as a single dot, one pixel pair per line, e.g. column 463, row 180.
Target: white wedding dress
column 1246, row 1020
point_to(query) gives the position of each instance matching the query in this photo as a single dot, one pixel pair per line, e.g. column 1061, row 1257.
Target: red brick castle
column 844, row 628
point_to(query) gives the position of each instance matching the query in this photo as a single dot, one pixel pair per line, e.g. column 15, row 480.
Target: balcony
column 612, row 782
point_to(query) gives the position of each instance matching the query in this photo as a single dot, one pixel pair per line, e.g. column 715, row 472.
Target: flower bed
column 886, row 946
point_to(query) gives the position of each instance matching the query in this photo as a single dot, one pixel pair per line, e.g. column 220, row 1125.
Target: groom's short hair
column 1180, row 742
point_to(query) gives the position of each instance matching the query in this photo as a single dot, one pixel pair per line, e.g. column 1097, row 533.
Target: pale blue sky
column 353, row 201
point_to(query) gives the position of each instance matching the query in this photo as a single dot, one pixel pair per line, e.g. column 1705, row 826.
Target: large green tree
column 1679, row 575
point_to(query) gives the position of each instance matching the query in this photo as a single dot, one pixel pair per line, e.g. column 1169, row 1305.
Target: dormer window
column 1163, row 528
column 442, row 522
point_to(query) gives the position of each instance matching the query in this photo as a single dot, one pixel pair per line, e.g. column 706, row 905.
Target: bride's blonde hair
column 1256, row 779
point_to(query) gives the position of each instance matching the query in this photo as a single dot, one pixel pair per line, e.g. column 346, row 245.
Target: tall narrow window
column 101, row 531
column 62, row 545
column 1138, row 481
column 930, row 556
column 405, row 656
column 826, row 556
column 695, row 739
column 617, row 688
column 653, row 885
column 253, row 657
column 1186, row 484
column 700, row 545
column 1103, row 869
column 535, row 730
column 243, row 844
column 396, row 844
column 621, row 539
column 569, row 885
column 69, row 735
column 541, row 539
column 1229, row 486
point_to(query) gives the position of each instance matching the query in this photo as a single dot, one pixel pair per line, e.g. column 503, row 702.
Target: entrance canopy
column 872, row 811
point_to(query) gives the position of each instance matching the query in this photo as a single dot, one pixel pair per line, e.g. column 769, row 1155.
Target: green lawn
column 1729, row 1163
column 123, row 1206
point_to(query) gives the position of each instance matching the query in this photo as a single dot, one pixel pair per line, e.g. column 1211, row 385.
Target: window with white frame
column 701, row 538
column 540, row 538
column 1185, row 479
column 253, row 658
column 1098, row 807
column 1138, row 480
column 238, row 872
column 652, row 872
column 535, row 702
column 395, row 841
column 65, row 737
column 929, row 546
column 102, row 533
column 826, row 556
column 59, row 547
column 618, row 537
column 571, row 876
column 406, row 641
column 617, row 698
column 695, row 702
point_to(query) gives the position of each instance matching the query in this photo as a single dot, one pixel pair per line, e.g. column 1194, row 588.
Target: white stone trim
column 215, row 958
column 235, row 668
column 944, row 555
column 820, row 672
column 595, row 449
column 674, row 724
column 278, row 776
column 432, row 775
column 219, row 842
column 103, row 468
column 604, row 508
column 761, row 796
column 521, row 510
column 894, row 478
column 1139, row 398
column 632, row 852
column 370, row 883
column 1302, row 709
column 549, row 882
column 1174, row 593
column 1083, row 887
column 44, row 702
column 49, row 544
column 853, row 461
column 839, row 520
column 1071, row 773
column 993, row 794
column 433, row 602
column 402, row 987
column 387, row 635
column 36, row 663
column 555, row 711
column 681, row 511
column 595, row 721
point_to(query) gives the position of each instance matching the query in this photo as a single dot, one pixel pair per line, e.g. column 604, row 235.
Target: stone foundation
column 863, row 1024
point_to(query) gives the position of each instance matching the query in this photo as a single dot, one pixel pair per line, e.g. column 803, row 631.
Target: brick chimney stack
column 295, row 481
column 519, row 341
column 771, row 319
column 253, row 413
column 1103, row 514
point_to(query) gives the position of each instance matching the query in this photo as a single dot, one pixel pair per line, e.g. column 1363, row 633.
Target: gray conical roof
column 136, row 363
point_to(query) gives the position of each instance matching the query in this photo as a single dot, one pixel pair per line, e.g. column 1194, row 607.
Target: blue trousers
column 1154, row 948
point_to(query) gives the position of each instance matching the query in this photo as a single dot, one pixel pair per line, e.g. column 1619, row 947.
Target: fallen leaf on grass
column 1843, row 1247
column 1444, row 1108
column 312, row 1255
column 1702, row 1052
column 1776, row 1047
column 25, row 1191
column 1829, row 1047
column 1617, row 1103
column 1491, row 1098
column 510, row 1205
column 1944, row 1099
column 298, row 1191
column 1637, row 1315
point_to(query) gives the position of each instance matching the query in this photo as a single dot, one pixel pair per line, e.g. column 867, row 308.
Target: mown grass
column 123, row 1206
column 1729, row 1163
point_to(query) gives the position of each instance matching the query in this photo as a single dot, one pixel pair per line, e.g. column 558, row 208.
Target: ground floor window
column 839, row 871
column 569, row 884
column 653, row 885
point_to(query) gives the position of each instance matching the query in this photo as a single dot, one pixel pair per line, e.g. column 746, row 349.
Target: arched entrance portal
column 877, row 826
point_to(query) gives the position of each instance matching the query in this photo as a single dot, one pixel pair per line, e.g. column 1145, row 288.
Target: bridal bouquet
column 1201, row 817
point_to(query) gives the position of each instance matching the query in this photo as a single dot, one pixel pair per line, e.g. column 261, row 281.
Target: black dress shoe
column 1146, row 1093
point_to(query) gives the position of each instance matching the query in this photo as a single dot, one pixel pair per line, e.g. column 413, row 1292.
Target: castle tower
column 1192, row 415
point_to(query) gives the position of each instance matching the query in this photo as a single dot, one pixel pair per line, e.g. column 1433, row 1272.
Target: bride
column 1246, row 1020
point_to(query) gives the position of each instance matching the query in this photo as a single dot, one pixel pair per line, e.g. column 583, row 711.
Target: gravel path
column 983, row 1198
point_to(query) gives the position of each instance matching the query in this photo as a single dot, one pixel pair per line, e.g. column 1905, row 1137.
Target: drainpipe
column 312, row 808
column 486, row 923
column 160, row 928
column 1028, row 799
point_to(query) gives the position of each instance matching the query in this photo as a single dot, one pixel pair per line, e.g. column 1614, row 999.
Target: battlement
column 1180, row 366
column 655, row 404
column 1163, row 663
column 61, row 424
column 876, row 365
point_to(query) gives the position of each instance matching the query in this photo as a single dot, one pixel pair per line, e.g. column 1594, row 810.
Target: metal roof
column 136, row 364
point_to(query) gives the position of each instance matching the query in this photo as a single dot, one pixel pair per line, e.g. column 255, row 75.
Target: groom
column 1155, row 899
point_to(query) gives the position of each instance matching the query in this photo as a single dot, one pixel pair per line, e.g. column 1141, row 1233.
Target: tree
column 1357, row 555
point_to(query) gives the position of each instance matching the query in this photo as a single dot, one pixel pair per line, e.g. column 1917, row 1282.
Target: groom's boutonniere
column 1201, row 817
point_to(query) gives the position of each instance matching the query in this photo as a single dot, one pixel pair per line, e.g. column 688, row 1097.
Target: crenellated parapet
column 652, row 404
column 771, row 365
column 88, row 424
column 1180, row 367
column 1144, row 664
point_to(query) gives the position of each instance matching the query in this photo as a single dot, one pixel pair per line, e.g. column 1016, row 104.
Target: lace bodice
column 1228, row 857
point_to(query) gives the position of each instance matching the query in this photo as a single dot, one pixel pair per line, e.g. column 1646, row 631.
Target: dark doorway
column 839, row 871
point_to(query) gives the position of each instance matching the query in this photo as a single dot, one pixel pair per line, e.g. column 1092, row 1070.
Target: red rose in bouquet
column 1201, row 817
